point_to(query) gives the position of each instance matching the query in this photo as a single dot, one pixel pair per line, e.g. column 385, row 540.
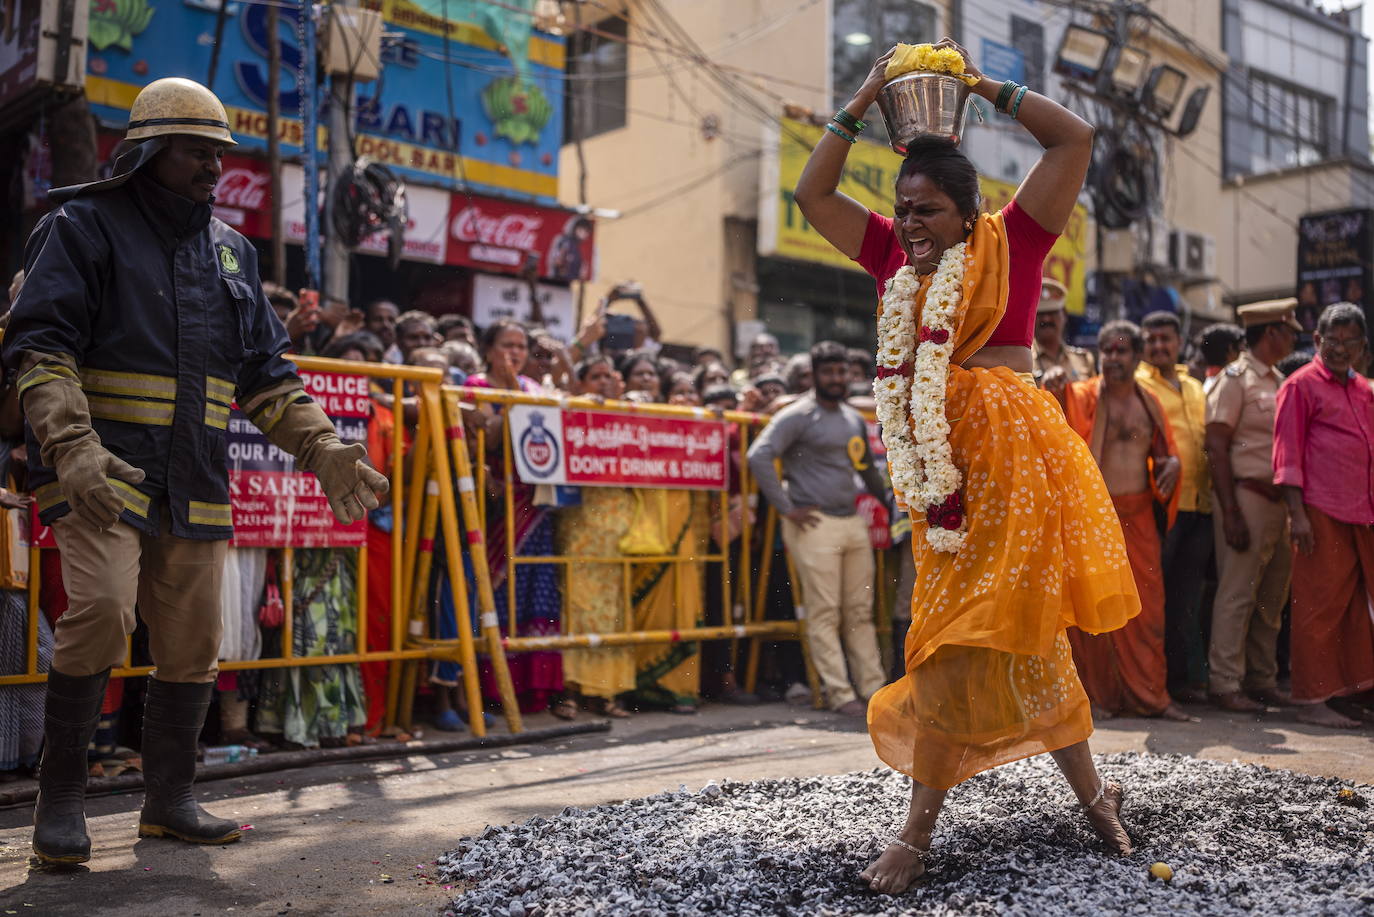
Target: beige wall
column 675, row 187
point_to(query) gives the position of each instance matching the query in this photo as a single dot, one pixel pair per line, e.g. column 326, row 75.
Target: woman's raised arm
column 836, row 216
column 1050, row 190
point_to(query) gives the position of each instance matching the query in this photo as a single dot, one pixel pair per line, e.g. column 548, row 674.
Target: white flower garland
column 918, row 452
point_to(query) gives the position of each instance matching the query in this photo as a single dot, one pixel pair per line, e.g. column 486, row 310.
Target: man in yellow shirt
column 1188, row 545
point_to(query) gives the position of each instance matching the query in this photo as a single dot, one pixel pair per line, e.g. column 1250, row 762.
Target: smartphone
column 620, row 332
column 310, row 300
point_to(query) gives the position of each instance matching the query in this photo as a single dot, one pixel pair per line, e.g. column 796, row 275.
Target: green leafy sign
column 518, row 110
column 116, row 22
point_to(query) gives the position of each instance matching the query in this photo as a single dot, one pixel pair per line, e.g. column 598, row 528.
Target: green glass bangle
column 839, row 133
column 850, row 123
column 1016, row 106
column 1004, row 95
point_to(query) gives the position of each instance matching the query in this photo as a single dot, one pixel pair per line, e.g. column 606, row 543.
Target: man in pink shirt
column 1324, row 461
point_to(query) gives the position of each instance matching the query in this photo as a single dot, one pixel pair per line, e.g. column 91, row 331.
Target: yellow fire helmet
column 175, row 105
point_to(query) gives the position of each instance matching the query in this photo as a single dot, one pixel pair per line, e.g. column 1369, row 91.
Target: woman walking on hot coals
column 1015, row 538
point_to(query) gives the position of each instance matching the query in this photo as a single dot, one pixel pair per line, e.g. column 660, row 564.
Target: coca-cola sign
column 243, row 197
column 492, row 234
column 244, row 188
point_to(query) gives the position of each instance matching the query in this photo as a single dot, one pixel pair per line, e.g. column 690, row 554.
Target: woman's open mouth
column 921, row 248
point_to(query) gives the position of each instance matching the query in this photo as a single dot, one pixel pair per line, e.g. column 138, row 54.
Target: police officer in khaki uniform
column 1057, row 363
column 1254, row 559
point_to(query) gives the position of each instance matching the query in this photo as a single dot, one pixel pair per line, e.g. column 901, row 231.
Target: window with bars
column 597, row 87
column 864, row 29
column 1289, row 126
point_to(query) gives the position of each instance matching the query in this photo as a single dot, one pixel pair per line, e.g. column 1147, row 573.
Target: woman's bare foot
column 899, row 867
column 1323, row 715
column 1104, row 814
column 1100, row 715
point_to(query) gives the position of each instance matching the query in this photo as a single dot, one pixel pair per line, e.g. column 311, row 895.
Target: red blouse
column 1028, row 243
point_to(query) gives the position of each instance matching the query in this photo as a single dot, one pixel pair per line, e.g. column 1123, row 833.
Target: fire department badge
column 228, row 259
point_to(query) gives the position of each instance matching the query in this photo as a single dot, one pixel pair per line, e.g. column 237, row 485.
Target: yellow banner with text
column 869, row 175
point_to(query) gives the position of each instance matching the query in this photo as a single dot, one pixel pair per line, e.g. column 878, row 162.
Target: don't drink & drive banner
column 604, row 449
column 277, row 505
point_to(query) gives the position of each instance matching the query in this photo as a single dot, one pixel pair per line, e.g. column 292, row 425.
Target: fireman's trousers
column 175, row 582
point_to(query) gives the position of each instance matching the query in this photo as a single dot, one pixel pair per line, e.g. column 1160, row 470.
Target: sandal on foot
column 1104, row 814
column 610, row 707
column 879, row 881
column 565, row 709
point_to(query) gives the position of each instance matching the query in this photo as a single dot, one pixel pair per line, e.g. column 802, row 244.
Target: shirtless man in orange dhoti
column 1013, row 534
column 1124, row 672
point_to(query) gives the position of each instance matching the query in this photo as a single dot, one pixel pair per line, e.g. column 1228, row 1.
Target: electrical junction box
column 353, row 43
column 42, row 53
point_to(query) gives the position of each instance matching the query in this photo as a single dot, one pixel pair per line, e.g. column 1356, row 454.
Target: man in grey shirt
column 823, row 444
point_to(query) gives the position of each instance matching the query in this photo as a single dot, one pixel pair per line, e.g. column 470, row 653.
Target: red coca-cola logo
column 242, row 188
column 510, row 230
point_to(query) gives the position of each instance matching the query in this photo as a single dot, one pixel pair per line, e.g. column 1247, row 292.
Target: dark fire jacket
column 160, row 306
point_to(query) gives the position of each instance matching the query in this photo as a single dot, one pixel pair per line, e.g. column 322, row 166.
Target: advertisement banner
column 869, row 175
column 491, row 234
column 448, row 109
column 275, row 504
column 495, row 298
column 1334, row 252
column 602, row 449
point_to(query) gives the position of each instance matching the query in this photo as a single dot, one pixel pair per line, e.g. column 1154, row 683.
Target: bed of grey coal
column 1240, row 839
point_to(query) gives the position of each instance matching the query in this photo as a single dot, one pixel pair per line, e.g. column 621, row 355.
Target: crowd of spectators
column 1225, row 644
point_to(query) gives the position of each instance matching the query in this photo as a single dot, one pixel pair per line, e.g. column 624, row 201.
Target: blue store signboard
column 434, row 100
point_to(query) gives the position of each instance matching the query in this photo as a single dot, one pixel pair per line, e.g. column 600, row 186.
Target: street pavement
column 362, row 838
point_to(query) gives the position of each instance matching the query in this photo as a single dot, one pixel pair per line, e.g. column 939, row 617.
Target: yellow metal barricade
column 437, row 491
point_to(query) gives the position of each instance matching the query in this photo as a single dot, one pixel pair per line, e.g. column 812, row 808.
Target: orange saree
column 989, row 673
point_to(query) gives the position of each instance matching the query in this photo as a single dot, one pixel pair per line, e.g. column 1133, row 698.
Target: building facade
column 699, row 142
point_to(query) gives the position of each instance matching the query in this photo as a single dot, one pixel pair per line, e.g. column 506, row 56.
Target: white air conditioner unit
column 1192, row 254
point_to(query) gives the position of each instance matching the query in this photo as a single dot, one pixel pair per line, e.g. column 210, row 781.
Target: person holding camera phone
column 615, row 333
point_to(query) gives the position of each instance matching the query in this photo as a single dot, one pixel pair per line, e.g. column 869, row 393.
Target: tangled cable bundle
column 369, row 198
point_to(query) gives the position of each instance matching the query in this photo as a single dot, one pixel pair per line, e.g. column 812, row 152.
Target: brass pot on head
column 923, row 104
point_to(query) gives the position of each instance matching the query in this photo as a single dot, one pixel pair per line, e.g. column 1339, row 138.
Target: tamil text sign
column 599, row 448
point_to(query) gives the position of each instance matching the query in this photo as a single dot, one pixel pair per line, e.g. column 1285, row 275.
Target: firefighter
column 141, row 319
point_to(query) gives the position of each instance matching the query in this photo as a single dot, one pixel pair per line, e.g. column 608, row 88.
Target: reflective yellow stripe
column 221, row 390
column 126, row 410
column 48, row 496
column 141, row 385
column 210, row 513
column 272, row 412
column 45, row 372
column 216, row 415
column 135, row 501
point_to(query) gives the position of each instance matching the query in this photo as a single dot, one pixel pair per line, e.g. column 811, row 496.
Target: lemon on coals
column 1161, row 871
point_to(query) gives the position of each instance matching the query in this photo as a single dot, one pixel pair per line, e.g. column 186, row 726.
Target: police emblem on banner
column 539, row 447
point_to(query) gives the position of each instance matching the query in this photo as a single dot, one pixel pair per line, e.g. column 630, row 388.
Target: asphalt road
column 362, row 838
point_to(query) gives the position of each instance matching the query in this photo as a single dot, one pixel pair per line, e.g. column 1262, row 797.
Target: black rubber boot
column 71, row 714
column 172, row 716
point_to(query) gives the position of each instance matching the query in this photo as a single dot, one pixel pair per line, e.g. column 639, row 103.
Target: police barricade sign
column 605, row 449
column 277, row 505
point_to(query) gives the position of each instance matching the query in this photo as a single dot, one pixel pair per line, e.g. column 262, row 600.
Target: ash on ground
column 1240, row 839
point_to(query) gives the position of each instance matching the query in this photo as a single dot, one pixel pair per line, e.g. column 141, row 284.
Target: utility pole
column 274, row 142
column 336, row 253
